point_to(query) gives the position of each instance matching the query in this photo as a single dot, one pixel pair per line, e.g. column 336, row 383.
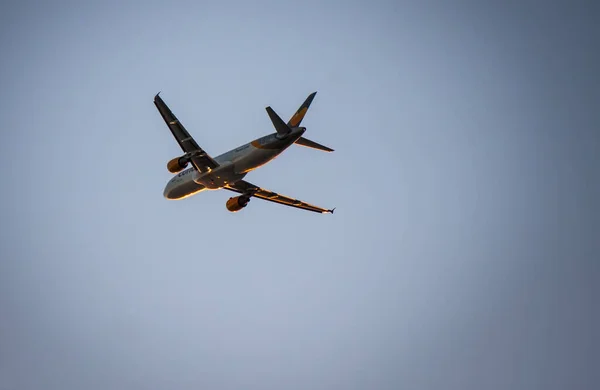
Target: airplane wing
column 199, row 158
column 243, row 187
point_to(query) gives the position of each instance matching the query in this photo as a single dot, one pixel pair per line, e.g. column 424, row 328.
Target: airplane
column 228, row 170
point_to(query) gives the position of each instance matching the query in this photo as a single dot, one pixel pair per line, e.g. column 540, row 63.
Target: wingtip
column 331, row 211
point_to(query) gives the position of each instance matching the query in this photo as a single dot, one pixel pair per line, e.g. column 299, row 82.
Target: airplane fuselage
column 233, row 165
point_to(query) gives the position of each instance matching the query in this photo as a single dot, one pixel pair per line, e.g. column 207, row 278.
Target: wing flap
column 243, row 187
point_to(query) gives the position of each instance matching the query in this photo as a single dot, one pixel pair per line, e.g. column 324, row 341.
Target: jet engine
column 177, row 164
column 237, row 203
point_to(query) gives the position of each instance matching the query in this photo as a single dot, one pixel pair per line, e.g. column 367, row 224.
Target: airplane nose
column 166, row 192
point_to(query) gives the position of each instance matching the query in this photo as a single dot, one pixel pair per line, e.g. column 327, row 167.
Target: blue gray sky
column 464, row 250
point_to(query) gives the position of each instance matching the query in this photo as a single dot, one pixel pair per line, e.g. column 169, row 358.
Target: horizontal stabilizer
column 312, row 144
column 278, row 123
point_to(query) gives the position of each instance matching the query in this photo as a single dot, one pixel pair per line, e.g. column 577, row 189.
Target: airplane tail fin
column 294, row 122
column 296, row 119
column 312, row 144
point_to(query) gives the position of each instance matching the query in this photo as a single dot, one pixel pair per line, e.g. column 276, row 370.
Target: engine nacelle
column 177, row 164
column 237, row 203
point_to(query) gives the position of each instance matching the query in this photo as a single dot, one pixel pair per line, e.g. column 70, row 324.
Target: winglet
column 331, row 211
column 279, row 124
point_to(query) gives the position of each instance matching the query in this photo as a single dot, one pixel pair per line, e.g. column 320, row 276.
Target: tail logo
column 298, row 116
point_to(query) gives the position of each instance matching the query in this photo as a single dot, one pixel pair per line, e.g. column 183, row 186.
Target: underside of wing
column 243, row 187
column 199, row 158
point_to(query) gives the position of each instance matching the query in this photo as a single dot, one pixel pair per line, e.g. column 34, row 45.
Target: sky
column 463, row 253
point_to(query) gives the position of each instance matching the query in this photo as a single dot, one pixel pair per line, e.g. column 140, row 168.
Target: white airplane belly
column 182, row 189
column 254, row 158
column 218, row 177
